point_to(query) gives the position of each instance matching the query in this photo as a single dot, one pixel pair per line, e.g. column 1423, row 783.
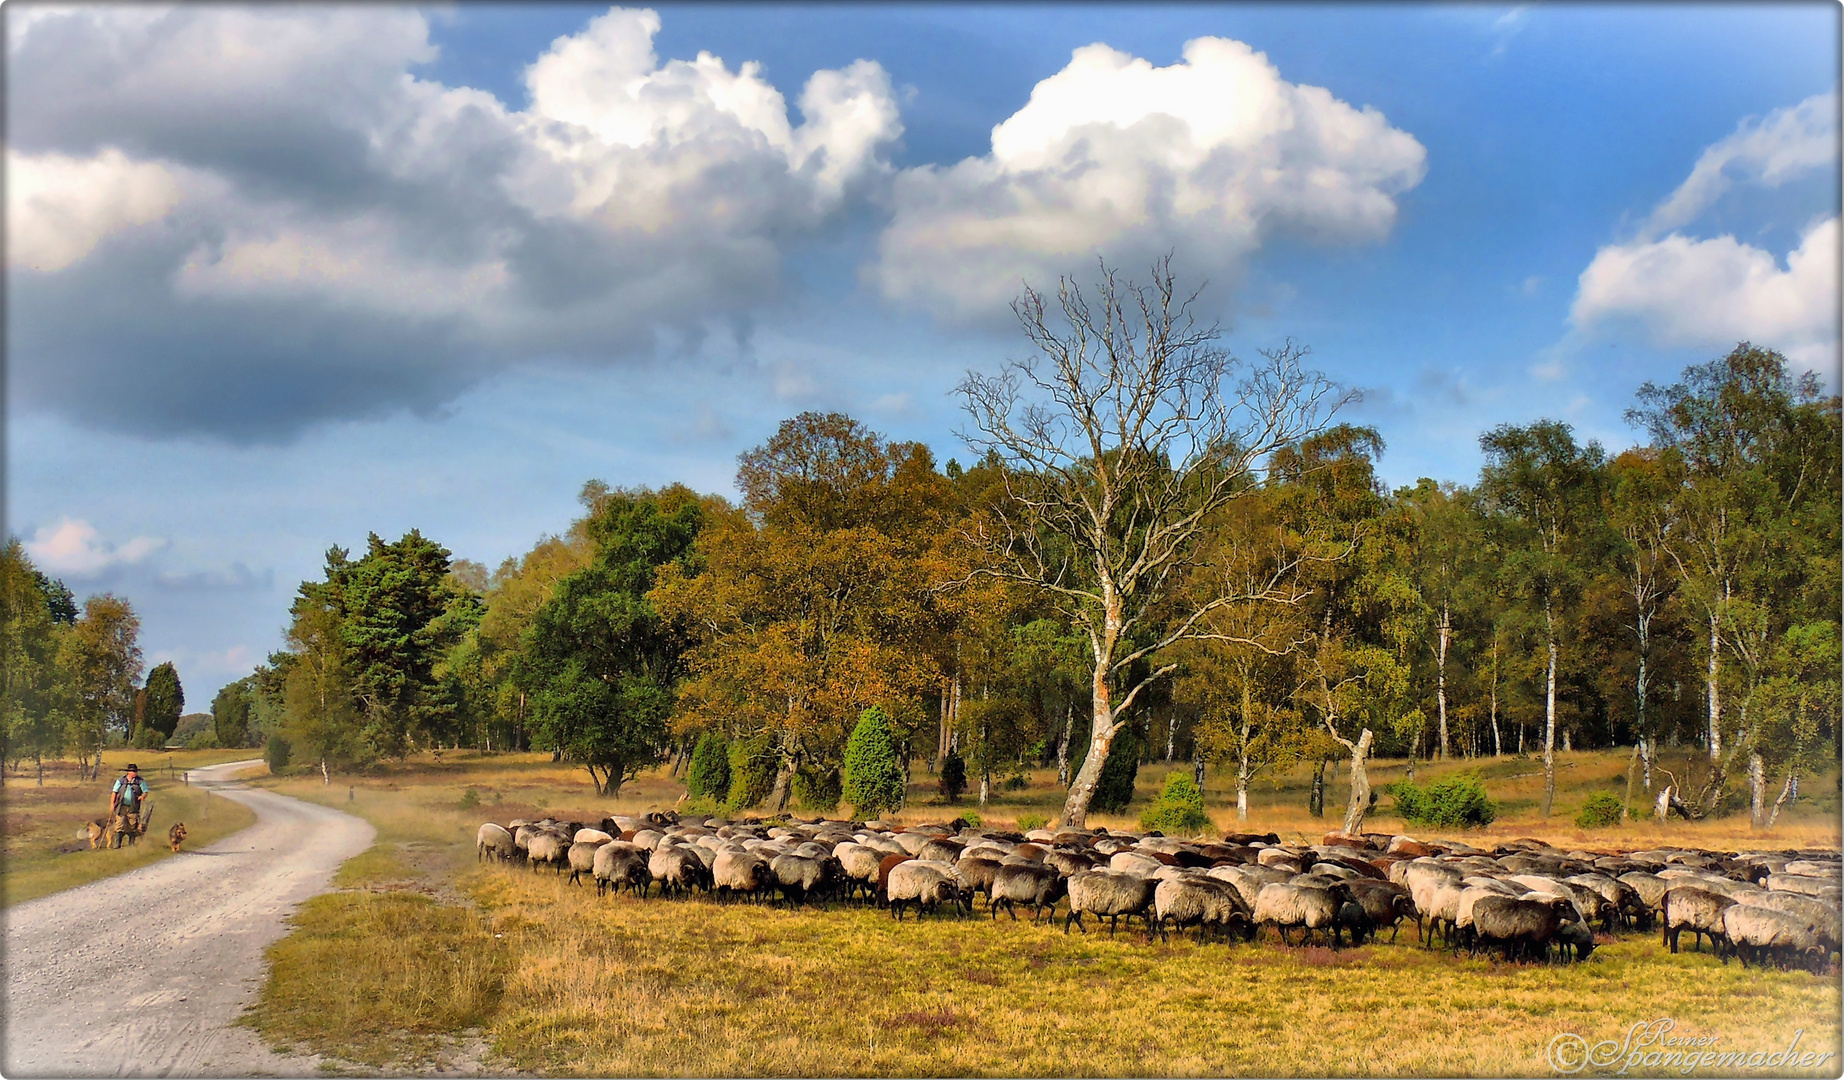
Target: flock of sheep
column 1522, row 900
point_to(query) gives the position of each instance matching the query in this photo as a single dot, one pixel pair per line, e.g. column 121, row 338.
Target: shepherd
column 125, row 800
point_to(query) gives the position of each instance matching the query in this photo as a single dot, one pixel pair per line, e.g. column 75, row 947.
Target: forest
column 1156, row 551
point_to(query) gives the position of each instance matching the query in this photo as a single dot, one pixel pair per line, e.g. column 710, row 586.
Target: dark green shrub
column 276, row 753
column 873, row 780
column 1457, row 801
column 1017, row 781
column 469, row 799
column 752, row 772
column 1601, row 810
column 1114, row 788
column 953, row 776
column 817, row 789
column 709, row 775
column 1179, row 809
column 1027, row 822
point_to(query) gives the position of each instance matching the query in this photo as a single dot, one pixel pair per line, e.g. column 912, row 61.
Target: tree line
column 71, row 677
column 1159, row 551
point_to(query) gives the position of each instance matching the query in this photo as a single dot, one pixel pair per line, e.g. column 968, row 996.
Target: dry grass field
column 45, row 846
column 423, row 946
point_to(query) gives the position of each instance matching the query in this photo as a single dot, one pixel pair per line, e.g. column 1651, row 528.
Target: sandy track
column 142, row 974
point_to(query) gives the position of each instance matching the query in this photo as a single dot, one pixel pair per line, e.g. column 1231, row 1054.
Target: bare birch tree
column 1120, row 439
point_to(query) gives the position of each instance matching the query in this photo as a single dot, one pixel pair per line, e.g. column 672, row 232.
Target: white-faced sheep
column 1203, row 902
column 1697, row 910
column 1761, row 934
column 1284, row 906
column 494, row 842
column 922, row 885
column 1108, row 895
column 1026, row 883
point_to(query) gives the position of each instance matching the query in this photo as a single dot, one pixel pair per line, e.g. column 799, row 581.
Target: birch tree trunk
column 1549, row 716
column 1360, row 784
column 1757, row 791
column 1440, row 681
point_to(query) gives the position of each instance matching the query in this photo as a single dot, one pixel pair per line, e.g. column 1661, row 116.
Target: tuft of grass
column 379, row 978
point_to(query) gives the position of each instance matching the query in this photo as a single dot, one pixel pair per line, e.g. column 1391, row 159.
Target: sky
column 280, row 277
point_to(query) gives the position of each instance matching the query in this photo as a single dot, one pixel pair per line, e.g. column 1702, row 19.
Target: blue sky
column 279, row 277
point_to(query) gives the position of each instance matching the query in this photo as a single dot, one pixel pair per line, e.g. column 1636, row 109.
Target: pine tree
column 953, row 776
column 710, row 768
column 873, row 776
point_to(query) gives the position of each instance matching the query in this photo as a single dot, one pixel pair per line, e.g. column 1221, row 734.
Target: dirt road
column 142, row 974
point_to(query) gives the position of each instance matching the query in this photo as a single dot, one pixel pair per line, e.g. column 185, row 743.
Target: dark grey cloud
column 237, row 222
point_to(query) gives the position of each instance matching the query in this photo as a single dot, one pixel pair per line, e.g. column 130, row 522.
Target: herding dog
column 176, row 834
column 98, row 831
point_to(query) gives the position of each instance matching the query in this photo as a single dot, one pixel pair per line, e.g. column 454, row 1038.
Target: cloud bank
column 239, row 221
column 75, row 547
column 1679, row 290
column 1112, row 155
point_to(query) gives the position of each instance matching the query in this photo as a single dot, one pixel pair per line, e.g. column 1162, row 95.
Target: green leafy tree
column 709, row 776
column 873, row 778
column 166, row 700
column 602, row 664
column 230, row 713
column 30, row 624
column 99, row 657
column 1544, row 488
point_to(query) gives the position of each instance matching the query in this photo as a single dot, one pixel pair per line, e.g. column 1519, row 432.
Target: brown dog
column 99, row 833
column 176, row 834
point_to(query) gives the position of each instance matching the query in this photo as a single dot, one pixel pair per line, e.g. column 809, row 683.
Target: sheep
column 1134, row 862
column 734, row 872
column 1248, row 880
column 941, row 850
column 884, row 866
column 620, row 866
column 581, row 857
column 1626, row 901
column 494, row 842
column 1065, row 861
column 1438, row 901
column 1799, row 883
column 799, row 877
column 859, row 861
column 590, row 836
column 1193, row 900
column 1386, row 904
column 1576, row 935
column 1521, row 928
column 912, row 843
column 548, row 848
column 1025, row 883
column 1821, row 918
column 1761, row 933
column 1284, row 906
column 678, row 869
column 1105, row 894
column 922, row 884
column 1697, row 910
column 976, row 875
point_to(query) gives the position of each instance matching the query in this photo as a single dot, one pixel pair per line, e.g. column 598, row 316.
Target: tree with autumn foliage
column 816, row 597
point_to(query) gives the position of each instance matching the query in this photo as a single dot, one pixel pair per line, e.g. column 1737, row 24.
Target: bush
column 873, row 780
column 276, row 753
column 953, row 776
column 1017, row 781
column 1456, row 801
column 1027, row 822
column 1179, row 809
column 709, row 775
column 817, row 789
column 146, row 738
column 1601, row 810
column 1114, row 788
column 752, row 772
column 206, row 739
column 469, row 799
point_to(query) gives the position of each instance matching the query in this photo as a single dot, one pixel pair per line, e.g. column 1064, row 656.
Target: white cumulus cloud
column 1716, row 292
column 1116, row 157
column 74, row 546
column 1677, row 289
